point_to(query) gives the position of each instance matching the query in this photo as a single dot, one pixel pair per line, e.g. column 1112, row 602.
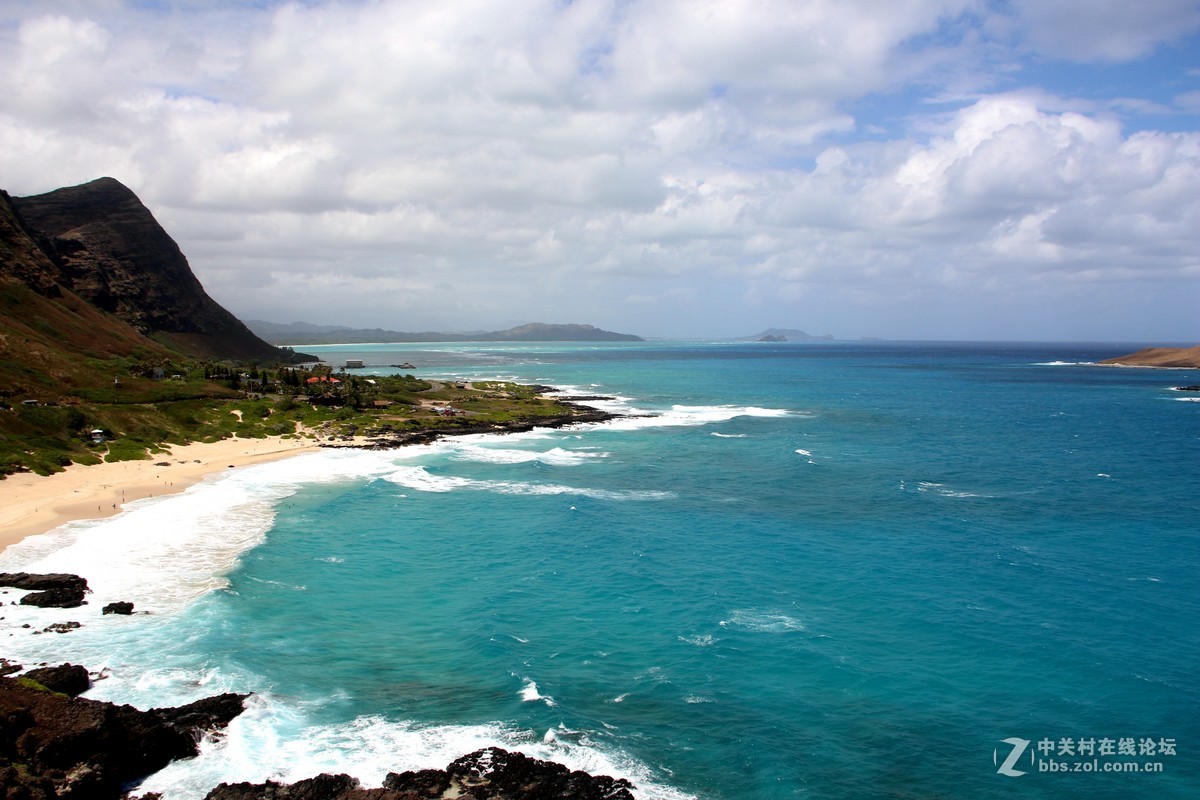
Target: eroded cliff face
column 108, row 248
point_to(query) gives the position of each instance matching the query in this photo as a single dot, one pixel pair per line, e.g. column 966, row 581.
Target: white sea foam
column 944, row 491
column 728, row 435
column 161, row 554
column 419, row 478
column 699, row 639
column 557, row 456
column 760, row 621
column 687, row 416
column 1064, row 363
column 274, row 741
column 529, row 693
column 136, row 555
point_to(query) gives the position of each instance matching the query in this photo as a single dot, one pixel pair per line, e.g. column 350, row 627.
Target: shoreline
column 32, row 504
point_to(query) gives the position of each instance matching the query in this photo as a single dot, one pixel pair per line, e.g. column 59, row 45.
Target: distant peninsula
column 305, row 333
column 1171, row 357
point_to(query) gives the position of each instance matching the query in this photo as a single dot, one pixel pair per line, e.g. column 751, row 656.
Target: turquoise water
column 816, row 571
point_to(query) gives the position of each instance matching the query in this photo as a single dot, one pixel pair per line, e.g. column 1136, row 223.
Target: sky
column 908, row 169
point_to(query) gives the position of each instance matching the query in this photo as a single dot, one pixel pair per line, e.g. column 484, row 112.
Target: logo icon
column 1018, row 749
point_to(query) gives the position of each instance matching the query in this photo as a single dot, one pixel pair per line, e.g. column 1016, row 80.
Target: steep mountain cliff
column 51, row 339
column 107, row 248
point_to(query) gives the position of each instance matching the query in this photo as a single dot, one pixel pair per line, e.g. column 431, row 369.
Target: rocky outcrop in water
column 488, row 774
column 57, row 747
column 53, row 590
column 69, row 679
column 464, row 426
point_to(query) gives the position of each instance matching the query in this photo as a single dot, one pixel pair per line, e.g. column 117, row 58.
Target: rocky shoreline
column 488, row 774
column 394, row 439
column 56, row 745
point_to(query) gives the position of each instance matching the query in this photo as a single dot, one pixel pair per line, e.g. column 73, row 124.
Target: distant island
column 305, row 333
column 1170, row 357
column 785, row 335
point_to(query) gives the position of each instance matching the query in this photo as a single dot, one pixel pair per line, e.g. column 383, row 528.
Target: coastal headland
column 1165, row 357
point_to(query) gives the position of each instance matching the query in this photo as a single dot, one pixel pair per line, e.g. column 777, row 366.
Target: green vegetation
column 30, row 683
column 147, row 404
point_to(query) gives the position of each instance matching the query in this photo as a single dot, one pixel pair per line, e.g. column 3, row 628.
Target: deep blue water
column 819, row 571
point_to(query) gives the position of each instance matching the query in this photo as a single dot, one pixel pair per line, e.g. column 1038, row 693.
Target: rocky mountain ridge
column 98, row 242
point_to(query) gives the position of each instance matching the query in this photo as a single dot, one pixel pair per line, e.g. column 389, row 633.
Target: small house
column 354, row 363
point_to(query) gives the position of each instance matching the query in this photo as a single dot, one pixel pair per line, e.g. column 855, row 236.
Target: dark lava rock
column 54, row 747
column 32, row 581
column 119, row 607
column 55, row 590
column 489, row 774
column 54, row 598
column 68, row 679
column 322, row 787
column 211, row 713
column 493, row 772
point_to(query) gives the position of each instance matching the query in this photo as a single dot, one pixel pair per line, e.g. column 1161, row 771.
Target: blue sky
column 919, row 169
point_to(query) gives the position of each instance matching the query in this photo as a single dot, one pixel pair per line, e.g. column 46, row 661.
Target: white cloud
column 592, row 160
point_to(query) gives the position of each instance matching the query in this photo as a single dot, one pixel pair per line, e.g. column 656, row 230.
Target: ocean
column 796, row 570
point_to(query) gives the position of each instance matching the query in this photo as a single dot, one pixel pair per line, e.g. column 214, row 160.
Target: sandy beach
column 32, row 504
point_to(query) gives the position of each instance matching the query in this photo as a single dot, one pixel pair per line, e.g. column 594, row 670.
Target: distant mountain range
column 785, row 335
column 305, row 333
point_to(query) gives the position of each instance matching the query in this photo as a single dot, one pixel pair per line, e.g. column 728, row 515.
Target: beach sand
column 32, row 504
